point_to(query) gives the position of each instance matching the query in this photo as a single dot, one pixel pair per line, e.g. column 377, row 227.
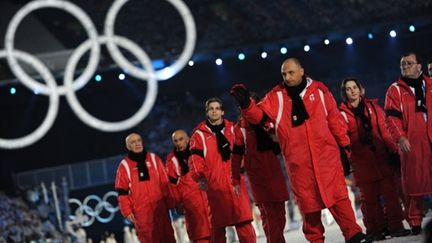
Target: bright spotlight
column 412, row 28
column 283, row 50
column 263, row 55
column 121, row 76
column 392, row 33
column 370, row 36
column 98, row 78
column 218, row 61
column 12, row 90
column 241, row 56
column 349, row 41
column 326, row 41
column 191, row 63
column 306, row 48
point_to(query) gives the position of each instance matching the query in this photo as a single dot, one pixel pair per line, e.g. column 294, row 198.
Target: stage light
column 264, row 55
column 121, row 76
column 326, row 41
column 306, row 48
column 412, row 28
column 12, row 91
column 191, row 63
column 283, row 50
column 392, row 33
column 218, row 61
column 349, row 41
column 241, row 56
column 98, row 78
column 370, row 36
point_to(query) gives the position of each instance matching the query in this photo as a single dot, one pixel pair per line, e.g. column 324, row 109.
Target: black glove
column 345, row 154
column 394, row 159
column 241, row 94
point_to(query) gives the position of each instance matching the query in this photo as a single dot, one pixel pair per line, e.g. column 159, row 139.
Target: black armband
column 173, row 180
column 198, row 152
column 122, row 192
column 238, row 149
column 394, row 113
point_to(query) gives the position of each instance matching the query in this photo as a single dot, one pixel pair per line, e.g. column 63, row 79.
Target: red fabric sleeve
column 394, row 124
column 122, row 182
column 171, row 172
column 391, row 144
column 253, row 114
column 164, row 183
column 196, row 162
column 236, row 159
column 336, row 122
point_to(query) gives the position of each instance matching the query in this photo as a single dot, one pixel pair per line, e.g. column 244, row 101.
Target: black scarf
column 298, row 112
column 143, row 173
column 182, row 157
column 417, row 84
column 222, row 143
column 359, row 112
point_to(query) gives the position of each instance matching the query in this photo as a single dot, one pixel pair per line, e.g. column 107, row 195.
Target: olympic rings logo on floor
column 84, row 208
column 93, row 43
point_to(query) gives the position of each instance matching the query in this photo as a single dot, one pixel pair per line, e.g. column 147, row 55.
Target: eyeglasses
column 407, row 64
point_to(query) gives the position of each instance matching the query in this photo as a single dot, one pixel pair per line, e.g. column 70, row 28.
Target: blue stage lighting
column 412, row 28
column 98, row 78
column 241, row 56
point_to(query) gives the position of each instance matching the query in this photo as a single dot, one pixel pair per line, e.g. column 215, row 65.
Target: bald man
column 143, row 192
column 310, row 128
column 187, row 193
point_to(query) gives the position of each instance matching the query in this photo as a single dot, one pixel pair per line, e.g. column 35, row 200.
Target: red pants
column 203, row 240
column 245, row 233
column 414, row 210
column 374, row 217
column 342, row 213
column 273, row 220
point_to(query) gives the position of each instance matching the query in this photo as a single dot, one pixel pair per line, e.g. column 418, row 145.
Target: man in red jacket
column 143, row 193
column 268, row 184
column 309, row 128
column 187, row 193
column 408, row 106
column 212, row 144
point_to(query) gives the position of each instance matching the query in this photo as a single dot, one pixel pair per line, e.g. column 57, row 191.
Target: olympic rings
column 103, row 125
column 70, row 86
column 53, row 103
column 68, row 7
column 167, row 72
column 94, row 213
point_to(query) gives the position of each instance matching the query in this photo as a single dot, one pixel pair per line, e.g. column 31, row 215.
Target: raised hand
column 241, row 94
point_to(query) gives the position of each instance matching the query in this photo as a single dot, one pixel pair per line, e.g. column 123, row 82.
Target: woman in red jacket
column 370, row 160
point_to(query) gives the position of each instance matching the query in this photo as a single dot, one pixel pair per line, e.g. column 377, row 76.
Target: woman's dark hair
column 343, row 84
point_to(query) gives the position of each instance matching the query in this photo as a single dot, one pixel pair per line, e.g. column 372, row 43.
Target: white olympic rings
column 70, row 86
column 94, row 213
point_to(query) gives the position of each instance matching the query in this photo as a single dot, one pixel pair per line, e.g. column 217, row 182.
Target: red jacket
column 197, row 212
column 369, row 165
column 146, row 200
column 226, row 207
column 310, row 150
column 403, row 120
column 263, row 169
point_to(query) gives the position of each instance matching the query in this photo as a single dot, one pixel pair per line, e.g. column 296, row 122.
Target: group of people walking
column 204, row 175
